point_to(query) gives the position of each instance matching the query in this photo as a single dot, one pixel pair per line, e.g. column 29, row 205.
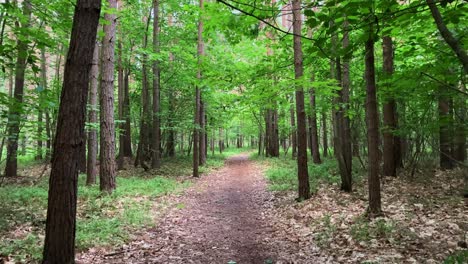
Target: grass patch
column 282, row 173
column 365, row 230
column 102, row 220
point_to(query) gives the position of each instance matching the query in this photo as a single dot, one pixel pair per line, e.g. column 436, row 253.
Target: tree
column 156, row 142
column 91, row 169
column 16, row 107
column 375, row 207
column 107, row 167
column 302, row 173
column 59, row 245
column 197, row 114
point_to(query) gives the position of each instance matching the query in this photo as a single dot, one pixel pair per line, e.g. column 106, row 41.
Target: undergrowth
column 102, row 220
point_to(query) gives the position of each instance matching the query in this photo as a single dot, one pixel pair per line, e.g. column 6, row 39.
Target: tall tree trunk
column 40, row 114
column 202, row 139
column 314, row 140
column 293, row 133
column 127, row 131
column 120, row 99
column 156, row 135
column 91, row 169
column 324, row 134
column 107, row 166
column 302, row 173
column 454, row 43
column 143, row 146
column 197, row 121
column 390, row 141
column 15, row 111
column 59, row 245
column 344, row 125
column 375, row 207
column 459, row 151
column 444, row 132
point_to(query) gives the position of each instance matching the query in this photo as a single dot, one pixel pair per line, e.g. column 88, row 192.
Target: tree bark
column 91, row 169
column 197, row 121
column 314, row 140
column 127, row 133
column 40, row 114
column 390, row 141
column 15, row 111
column 375, row 208
column 324, row 134
column 293, row 133
column 107, row 166
column 444, row 132
column 156, row 135
column 120, row 99
column 302, row 173
column 59, row 245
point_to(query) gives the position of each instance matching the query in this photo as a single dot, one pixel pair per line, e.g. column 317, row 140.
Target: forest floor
column 225, row 217
column 236, row 215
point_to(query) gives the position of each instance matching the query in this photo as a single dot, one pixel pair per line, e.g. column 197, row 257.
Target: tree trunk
column 107, row 165
column 390, row 141
column 454, row 43
column 120, row 99
column 59, row 245
column 444, row 132
column 197, row 114
column 375, row 208
column 314, row 140
column 40, row 114
column 91, row 169
column 324, row 134
column 293, row 133
column 127, row 133
column 156, row 135
column 302, row 173
column 202, row 134
column 15, row 111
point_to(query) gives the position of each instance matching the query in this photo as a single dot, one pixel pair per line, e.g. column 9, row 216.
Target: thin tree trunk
column 120, row 99
column 40, row 115
column 107, row 165
column 197, row 121
column 293, row 133
column 127, row 131
column 375, row 207
column 314, row 140
column 444, row 132
column 202, row 134
column 15, row 111
column 302, row 173
column 324, row 134
column 59, row 245
column 91, row 169
column 156, row 135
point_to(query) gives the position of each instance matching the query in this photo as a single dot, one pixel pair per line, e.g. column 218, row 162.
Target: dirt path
column 226, row 216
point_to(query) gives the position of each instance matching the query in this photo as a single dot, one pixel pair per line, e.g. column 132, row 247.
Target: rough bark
column 375, row 208
column 107, row 165
column 91, row 169
column 59, row 245
column 15, row 111
column 391, row 142
column 156, row 135
column 302, row 173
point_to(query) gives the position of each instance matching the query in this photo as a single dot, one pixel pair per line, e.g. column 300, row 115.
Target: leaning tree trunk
column 59, row 245
column 454, row 43
column 302, row 173
column 375, row 208
column 91, row 169
column 107, row 166
column 15, row 111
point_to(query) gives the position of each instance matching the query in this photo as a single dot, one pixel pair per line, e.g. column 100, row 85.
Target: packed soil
column 225, row 217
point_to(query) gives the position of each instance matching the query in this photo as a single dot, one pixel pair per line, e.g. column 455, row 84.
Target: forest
column 233, row 131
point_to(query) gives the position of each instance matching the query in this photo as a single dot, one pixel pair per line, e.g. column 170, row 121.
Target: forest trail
column 225, row 216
